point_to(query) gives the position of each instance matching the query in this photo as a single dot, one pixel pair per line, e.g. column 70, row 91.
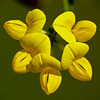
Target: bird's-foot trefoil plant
column 39, row 54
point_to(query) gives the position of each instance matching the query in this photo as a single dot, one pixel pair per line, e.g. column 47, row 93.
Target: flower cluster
column 36, row 54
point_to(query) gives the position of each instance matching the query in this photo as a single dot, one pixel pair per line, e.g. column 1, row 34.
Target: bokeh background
column 26, row 86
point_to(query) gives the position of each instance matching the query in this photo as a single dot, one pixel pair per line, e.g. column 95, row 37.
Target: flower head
column 73, row 60
column 36, row 56
column 64, row 25
column 35, row 20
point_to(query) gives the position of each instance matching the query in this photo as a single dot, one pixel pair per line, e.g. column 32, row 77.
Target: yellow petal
column 35, row 20
column 66, row 19
column 36, row 43
column 79, row 49
column 50, row 80
column 63, row 24
column 50, row 61
column 81, row 69
column 84, row 30
column 42, row 60
column 20, row 62
column 67, row 58
column 15, row 28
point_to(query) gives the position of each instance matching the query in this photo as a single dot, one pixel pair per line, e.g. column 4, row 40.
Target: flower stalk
column 68, row 5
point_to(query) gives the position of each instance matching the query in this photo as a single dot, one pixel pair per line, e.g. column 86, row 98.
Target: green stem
column 68, row 5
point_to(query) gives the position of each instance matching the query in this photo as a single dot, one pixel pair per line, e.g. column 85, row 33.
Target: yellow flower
column 50, row 80
column 35, row 20
column 33, row 44
column 73, row 60
column 50, row 77
column 21, row 61
column 64, row 25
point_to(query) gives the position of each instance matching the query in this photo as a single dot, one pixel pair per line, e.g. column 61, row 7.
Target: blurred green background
column 26, row 86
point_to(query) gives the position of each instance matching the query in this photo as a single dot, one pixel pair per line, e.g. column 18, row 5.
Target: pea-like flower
column 50, row 77
column 21, row 61
column 35, row 20
column 73, row 60
column 64, row 25
column 32, row 44
column 50, row 80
